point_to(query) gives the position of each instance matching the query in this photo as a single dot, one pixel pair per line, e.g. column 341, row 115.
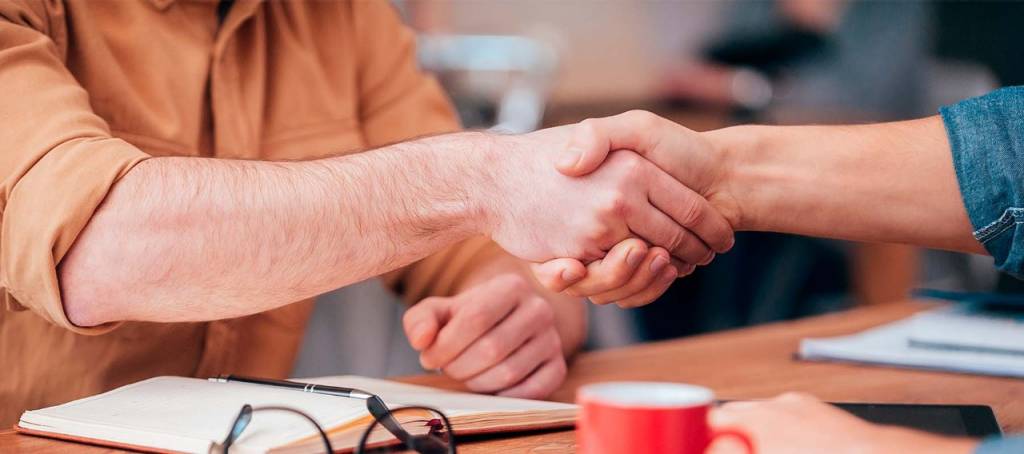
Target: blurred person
column 181, row 178
column 950, row 181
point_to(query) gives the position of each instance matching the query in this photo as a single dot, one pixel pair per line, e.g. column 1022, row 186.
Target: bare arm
column 889, row 182
column 184, row 239
column 188, row 239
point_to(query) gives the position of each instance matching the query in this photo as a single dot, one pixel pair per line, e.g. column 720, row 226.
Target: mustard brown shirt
column 88, row 89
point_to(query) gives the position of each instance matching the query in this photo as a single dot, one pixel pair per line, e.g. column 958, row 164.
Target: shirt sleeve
column 986, row 135
column 398, row 102
column 58, row 159
column 999, row 445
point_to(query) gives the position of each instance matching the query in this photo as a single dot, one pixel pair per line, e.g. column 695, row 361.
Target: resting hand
column 498, row 336
column 800, row 424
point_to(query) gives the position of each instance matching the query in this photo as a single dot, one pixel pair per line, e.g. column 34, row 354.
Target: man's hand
column 800, row 424
column 542, row 215
column 498, row 336
column 686, row 155
column 631, row 275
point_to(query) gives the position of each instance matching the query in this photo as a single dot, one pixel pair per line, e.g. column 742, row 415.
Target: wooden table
column 741, row 364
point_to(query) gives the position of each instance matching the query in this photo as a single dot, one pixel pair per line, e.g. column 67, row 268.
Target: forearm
column 187, row 239
column 891, row 182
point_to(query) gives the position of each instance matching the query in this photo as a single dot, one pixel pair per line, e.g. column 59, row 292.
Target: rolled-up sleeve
column 997, row 445
column 58, row 160
column 986, row 135
column 399, row 102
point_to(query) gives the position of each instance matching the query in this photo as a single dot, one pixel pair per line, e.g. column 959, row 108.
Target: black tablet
column 954, row 420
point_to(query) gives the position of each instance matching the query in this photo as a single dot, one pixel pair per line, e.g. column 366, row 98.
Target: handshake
column 614, row 209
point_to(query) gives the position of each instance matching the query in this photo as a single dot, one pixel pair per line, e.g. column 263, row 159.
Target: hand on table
column 498, row 336
column 800, row 424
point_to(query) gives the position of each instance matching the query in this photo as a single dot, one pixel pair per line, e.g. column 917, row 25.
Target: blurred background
column 519, row 65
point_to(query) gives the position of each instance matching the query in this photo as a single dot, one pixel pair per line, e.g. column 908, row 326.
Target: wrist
column 734, row 193
column 478, row 174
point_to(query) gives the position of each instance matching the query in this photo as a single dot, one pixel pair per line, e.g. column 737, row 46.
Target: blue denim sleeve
column 997, row 445
column 987, row 138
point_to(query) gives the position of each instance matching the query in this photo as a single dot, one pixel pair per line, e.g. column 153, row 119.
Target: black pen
column 297, row 386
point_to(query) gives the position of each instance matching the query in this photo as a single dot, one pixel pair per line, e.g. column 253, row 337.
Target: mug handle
column 737, row 434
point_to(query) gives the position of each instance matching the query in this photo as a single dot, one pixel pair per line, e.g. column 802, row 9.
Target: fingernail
column 658, row 263
column 571, row 275
column 671, row 274
column 569, row 158
column 633, row 257
column 418, row 332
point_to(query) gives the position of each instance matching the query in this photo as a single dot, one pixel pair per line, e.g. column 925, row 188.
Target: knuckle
column 642, row 118
column 614, row 204
column 477, row 319
column 515, row 282
column 542, row 312
column 692, row 213
column 677, row 240
column 588, row 127
column 506, row 376
column 794, row 396
column 489, row 350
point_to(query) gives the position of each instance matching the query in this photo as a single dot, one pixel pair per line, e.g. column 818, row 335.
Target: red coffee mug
column 647, row 417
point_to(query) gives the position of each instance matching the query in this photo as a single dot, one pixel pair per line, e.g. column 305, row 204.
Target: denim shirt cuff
column 986, row 135
column 1000, row 445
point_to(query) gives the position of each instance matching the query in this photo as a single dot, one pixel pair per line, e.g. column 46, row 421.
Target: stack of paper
column 958, row 338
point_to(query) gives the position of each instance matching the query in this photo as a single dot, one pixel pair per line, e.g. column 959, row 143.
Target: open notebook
column 190, row 414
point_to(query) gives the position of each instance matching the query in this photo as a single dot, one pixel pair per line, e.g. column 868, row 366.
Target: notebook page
column 452, row 403
column 196, row 409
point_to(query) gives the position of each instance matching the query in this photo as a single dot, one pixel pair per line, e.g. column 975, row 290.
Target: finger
column 686, row 269
column 660, row 230
column 529, row 318
column 652, row 292
column 542, row 383
column 646, row 274
column 474, row 312
column 518, row 365
column 613, row 271
column 587, row 149
column 691, row 211
column 422, row 321
column 593, row 139
column 558, row 274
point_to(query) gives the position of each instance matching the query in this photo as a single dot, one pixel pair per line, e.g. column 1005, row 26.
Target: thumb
column 559, row 274
column 586, row 150
column 424, row 320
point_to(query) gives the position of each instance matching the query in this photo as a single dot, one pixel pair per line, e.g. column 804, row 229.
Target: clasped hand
column 628, row 212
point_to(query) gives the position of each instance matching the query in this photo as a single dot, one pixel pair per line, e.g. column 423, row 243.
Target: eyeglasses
column 423, row 430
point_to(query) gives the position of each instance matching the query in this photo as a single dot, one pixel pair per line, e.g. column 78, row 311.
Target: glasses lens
column 428, row 428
